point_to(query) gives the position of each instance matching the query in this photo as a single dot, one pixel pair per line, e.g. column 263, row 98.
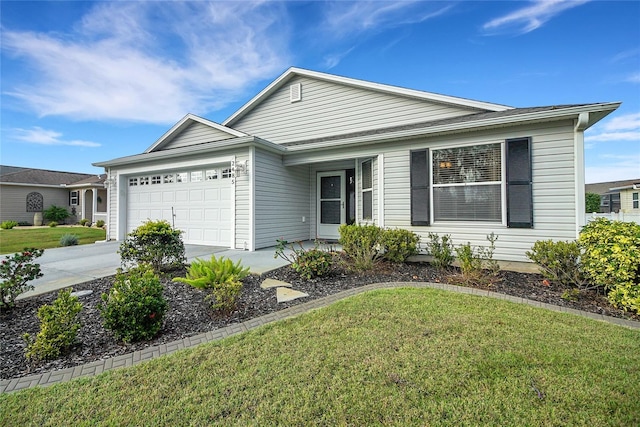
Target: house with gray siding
column 25, row 192
column 313, row 150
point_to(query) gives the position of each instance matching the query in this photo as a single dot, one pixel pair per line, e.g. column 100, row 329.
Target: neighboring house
column 312, row 151
column 610, row 194
column 27, row 191
column 629, row 197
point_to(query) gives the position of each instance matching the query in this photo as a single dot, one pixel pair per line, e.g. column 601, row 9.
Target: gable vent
column 295, row 92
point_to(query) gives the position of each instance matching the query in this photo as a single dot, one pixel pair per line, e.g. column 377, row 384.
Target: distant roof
column 604, row 187
column 19, row 175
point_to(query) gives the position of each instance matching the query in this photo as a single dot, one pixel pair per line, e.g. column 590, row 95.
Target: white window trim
column 503, row 187
column 77, row 198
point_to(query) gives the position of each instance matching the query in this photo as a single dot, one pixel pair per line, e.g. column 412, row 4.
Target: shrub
column 559, row 262
column 53, row 224
column 155, row 243
column 56, row 214
column 610, row 254
column 362, row 244
column 59, row 327
column 134, row 307
column 308, row 263
column 68, row 240
column 441, row 249
column 16, row 271
column 592, row 202
column 84, row 222
column 100, row 223
column 221, row 276
column 8, row 225
column 476, row 263
column 399, row 244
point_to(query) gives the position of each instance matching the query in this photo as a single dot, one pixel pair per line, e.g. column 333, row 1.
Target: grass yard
column 390, row 357
column 16, row 239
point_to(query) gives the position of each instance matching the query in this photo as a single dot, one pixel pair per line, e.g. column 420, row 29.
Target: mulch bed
column 189, row 314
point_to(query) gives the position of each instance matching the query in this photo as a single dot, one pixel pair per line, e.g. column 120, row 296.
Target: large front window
column 467, row 183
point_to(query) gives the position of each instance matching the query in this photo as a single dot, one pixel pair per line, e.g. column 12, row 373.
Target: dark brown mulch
column 189, row 314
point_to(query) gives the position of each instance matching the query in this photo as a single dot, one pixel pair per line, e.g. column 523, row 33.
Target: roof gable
column 193, row 130
column 328, row 105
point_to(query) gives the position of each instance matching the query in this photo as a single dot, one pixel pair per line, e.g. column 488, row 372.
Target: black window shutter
column 420, row 180
column 519, row 183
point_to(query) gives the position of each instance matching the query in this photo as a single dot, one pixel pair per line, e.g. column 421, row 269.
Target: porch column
column 94, row 205
column 82, row 204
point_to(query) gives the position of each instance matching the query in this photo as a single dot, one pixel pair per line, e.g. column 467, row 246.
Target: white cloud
column 37, row 135
column 633, row 78
column 613, row 169
column 531, row 17
column 150, row 61
column 621, row 128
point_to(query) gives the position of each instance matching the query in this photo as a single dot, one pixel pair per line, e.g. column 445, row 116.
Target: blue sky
column 90, row 81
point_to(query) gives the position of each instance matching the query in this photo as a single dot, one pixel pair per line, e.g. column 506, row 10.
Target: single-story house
column 629, row 197
column 312, row 151
column 610, row 194
column 25, row 192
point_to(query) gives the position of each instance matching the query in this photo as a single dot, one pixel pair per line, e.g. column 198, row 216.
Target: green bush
column 221, row 276
column 476, row 263
column 441, row 249
column 8, row 225
column 559, row 262
column 610, row 254
column 84, row 222
column 100, row 223
column 155, row 243
column 53, row 224
column 68, row 240
column 362, row 244
column 592, row 202
column 59, row 327
column 16, row 271
column 399, row 244
column 56, row 214
column 134, row 308
column 308, row 263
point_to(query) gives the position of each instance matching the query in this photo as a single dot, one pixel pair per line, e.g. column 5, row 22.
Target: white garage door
column 198, row 202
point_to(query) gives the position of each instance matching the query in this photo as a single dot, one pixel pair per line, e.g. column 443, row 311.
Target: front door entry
column 331, row 204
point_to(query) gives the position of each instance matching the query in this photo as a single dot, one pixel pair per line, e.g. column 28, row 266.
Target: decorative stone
column 273, row 283
column 82, row 293
column 286, row 294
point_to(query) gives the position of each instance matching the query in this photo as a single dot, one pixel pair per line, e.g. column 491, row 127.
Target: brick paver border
column 99, row 366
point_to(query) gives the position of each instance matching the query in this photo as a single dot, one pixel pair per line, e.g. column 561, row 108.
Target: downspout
column 581, row 124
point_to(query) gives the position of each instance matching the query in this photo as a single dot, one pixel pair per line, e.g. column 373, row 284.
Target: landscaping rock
column 286, row 294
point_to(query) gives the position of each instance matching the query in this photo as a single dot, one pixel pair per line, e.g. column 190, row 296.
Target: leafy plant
column 53, row 224
column 221, row 276
column 570, row 294
column 84, row 222
column 16, row 271
column 100, row 223
column 559, row 262
column 309, row 263
column 8, row 225
column 155, row 243
column 68, row 240
column 592, row 202
column 399, row 244
column 56, row 214
column 362, row 244
column 476, row 263
column 59, row 327
column 441, row 249
column 610, row 254
column 134, row 308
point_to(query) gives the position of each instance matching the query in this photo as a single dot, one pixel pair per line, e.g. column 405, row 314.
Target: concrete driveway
column 71, row 265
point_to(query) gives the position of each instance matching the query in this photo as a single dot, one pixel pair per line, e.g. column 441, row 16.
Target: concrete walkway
column 99, row 366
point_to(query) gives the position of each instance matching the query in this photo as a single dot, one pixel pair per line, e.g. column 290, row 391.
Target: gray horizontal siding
column 13, row 203
column 553, row 190
column 243, row 205
column 281, row 200
column 196, row 133
column 330, row 109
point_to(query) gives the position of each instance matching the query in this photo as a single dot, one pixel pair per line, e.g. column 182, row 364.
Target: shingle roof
column 20, row 175
column 603, row 187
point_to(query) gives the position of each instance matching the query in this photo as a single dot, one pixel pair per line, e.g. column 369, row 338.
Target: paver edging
column 130, row 359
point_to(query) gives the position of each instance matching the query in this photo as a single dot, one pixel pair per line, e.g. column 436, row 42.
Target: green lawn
column 391, row 357
column 16, row 239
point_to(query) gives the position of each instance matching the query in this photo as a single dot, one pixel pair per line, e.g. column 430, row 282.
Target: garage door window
column 156, row 179
column 133, row 182
column 196, row 176
column 168, row 178
column 144, row 180
column 182, row 177
column 226, row 173
column 211, row 174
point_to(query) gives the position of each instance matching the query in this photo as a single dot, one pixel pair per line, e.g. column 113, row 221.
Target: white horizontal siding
column 330, row 108
column 553, row 190
column 196, row 133
column 281, row 200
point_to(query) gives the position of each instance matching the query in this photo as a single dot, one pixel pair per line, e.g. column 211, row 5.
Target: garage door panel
column 202, row 210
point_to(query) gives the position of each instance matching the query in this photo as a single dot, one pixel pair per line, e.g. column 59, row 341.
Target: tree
column 592, row 202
